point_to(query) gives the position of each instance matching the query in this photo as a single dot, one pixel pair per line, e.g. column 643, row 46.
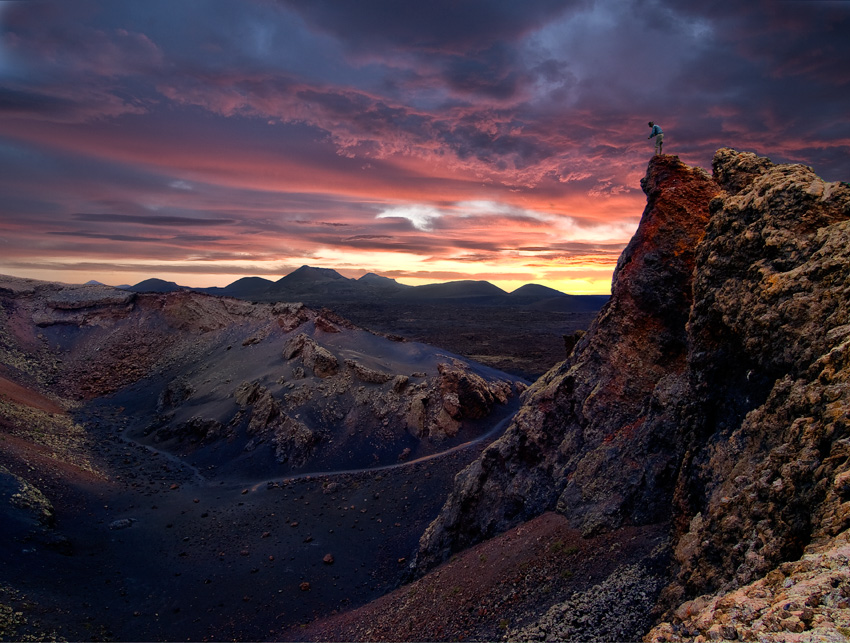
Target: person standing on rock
column 659, row 136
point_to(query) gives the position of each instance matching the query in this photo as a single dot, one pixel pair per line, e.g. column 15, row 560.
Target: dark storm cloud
column 182, row 239
column 15, row 101
column 442, row 25
column 766, row 76
column 152, row 220
column 790, row 38
column 494, row 73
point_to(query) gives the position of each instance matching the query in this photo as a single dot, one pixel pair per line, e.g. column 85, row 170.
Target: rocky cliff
column 711, row 394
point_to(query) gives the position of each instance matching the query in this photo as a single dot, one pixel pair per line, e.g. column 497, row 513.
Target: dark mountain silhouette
column 547, row 299
column 466, row 291
column 155, row 285
column 535, row 291
column 326, row 287
column 308, row 275
column 377, row 280
column 244, row 288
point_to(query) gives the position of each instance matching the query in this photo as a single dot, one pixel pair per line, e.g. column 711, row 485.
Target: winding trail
column 198, row 476
column 387, row 467
column 201, row 480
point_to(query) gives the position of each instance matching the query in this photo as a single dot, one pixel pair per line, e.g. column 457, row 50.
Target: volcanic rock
column 321, row 361
column 26, row 511
column 767, row 415
column 584, row 440
column 711, row 393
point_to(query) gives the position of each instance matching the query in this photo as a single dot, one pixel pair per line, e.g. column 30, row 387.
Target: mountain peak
column 371, row 277
column 311, row 273
column 155, row 285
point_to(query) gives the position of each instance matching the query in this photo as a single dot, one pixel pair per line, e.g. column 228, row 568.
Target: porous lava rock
column 293, row 441
column 768, row 411
column 801, row 600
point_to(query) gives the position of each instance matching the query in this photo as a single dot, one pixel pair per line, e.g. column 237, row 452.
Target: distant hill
column 535, row 291
column 372, row 278
column 459, row 290
column 313, row 284
column 310, row 276
column 244, row 288
column 547, row 299
column 155, row 285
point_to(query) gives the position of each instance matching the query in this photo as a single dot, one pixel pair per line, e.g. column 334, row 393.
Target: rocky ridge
column 711, row 393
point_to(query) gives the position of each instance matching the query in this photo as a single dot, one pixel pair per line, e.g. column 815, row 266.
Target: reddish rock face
column 584, row 441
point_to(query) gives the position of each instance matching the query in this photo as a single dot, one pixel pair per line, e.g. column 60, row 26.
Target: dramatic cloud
column 483, row 139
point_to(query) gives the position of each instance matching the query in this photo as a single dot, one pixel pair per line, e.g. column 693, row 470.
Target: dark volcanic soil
column 214, row 561
column 495, row 588
column 516, row 340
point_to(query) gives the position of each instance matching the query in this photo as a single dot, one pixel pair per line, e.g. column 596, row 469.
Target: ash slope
column 710, row 399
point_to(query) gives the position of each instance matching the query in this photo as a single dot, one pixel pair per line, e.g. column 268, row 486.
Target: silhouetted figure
column 659, row 136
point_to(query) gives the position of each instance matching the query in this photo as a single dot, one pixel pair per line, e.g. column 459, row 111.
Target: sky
column 201, row 141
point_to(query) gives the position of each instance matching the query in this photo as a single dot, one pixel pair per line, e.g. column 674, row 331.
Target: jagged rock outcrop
column 321, row 361
column 713, row 390
column 293, row 442
column 593, row 437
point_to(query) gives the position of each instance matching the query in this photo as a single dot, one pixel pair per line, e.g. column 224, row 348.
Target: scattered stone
column 122, row 523
column 328, row 559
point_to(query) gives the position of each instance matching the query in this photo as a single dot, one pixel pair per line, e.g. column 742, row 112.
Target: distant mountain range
column 324, row 286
